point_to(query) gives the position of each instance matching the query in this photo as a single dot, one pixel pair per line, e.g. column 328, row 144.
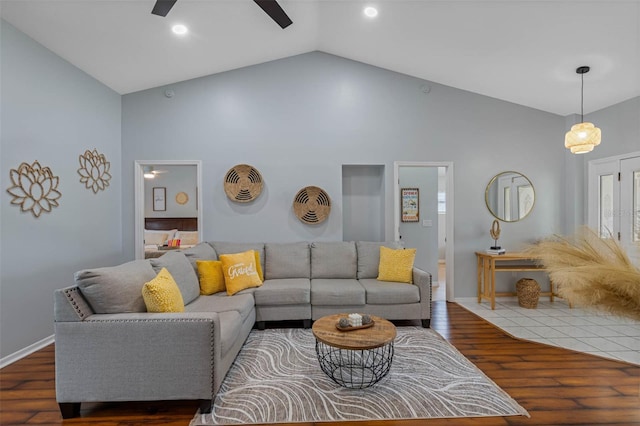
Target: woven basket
column 528, row 291
column 243, row 183
column 312, row 205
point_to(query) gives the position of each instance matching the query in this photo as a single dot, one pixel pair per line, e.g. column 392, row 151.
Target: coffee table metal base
column 355, row 368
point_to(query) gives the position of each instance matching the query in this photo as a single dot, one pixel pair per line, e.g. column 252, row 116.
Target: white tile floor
column 557, row 324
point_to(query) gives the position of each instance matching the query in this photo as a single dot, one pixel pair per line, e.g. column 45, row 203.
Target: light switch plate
column 427, row 223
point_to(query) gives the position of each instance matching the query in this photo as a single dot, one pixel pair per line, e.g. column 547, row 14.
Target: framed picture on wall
column 409, row 204
column 159, row 199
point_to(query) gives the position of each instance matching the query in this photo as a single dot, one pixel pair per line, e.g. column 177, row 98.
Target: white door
column 630, row 207
column 614, row 201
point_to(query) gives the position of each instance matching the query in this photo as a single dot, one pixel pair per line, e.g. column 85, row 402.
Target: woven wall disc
column 242, row 183
column 312, row 205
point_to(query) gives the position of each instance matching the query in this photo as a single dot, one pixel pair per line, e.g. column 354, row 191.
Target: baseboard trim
column 466, row 299
column 16, row 356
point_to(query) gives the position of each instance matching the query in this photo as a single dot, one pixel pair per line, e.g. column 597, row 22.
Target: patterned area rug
column 276, row 379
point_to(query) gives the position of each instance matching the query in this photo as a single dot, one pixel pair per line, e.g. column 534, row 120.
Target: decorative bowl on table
column 354, row 322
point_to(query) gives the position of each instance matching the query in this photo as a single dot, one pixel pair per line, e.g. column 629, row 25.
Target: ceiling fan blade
column 162, row 7
column 273, row 9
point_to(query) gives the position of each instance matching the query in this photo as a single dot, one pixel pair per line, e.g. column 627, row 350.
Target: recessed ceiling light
column 179, row 29
column 371, row 12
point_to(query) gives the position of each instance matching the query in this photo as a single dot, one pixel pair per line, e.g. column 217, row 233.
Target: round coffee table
column 356, row 358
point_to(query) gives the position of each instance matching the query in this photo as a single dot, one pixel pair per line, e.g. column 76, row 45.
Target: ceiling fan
column 271, row 8
column 149, row 172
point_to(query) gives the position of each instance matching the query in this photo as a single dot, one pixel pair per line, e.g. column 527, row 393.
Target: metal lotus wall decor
column 35, row 188
column 94, row 171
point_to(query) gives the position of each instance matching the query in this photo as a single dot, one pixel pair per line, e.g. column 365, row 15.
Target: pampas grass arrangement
column 591, row 272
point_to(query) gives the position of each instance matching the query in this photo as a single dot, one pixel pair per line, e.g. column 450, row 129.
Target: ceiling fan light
column 179, row 29
column 582, row 138
column 148, row 175
column 371, row 12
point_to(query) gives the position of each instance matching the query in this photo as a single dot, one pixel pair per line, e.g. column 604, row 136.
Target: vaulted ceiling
column 519, row 51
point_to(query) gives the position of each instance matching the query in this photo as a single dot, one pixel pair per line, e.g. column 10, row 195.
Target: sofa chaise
column 109, row 348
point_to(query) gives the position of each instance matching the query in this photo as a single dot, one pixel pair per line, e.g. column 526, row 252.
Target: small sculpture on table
column 354, row 322
column 495, row 234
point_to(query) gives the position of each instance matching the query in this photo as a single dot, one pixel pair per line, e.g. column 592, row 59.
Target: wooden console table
column 489, row 264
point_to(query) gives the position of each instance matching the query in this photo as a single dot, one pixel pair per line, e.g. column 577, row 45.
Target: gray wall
column 363, row 203
column 299, row 119
column 620, row 125
column 52, row 112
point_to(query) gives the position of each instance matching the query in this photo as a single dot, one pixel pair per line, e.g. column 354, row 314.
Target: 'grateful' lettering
column 238, row 269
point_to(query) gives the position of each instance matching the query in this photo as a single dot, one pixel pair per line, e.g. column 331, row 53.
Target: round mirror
column 510, row 196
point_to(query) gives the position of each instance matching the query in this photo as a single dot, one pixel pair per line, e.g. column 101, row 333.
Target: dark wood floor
column 556, row 386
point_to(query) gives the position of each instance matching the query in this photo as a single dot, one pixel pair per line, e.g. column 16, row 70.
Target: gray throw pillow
column 369, row 257
column 115, row 289
column 202, row 251
column 182, row 272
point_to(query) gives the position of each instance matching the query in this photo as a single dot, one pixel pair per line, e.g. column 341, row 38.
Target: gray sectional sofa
column 108, row 348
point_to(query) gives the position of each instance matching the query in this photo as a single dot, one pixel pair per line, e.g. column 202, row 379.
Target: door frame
column 449, row 248
column 593, row 167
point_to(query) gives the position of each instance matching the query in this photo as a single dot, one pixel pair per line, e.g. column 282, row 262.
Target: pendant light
column 582, row 137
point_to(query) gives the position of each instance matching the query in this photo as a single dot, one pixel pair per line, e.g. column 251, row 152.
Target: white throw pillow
column 159, row 237
column 187, row 237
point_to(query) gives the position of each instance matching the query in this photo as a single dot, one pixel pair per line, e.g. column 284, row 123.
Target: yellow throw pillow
column 162, row 294
column 396, row 265
column 240, row 271
column 259, row 266
column 211, row 276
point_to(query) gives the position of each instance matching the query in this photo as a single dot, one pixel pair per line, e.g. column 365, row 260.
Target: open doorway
column 430, row 228
column 166, row 192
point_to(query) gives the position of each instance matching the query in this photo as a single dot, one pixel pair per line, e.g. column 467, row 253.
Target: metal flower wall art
column 94, row 171
column 34, row 189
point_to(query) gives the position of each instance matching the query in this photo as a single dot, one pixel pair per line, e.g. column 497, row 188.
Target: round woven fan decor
column 312, row 205
column 242, row 183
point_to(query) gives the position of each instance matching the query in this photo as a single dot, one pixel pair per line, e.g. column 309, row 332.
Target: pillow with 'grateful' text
column 240, row 271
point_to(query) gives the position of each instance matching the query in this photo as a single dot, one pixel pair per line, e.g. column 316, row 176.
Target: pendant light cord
column 582, row 99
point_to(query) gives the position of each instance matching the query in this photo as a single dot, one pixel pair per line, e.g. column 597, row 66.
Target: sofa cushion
column 369, row 257
column 210, row 276
column 230, row 329
column 337, row 292
column 396, row 265
column 240, row 271
column 182, row 272
column 202, row 251
column 115, row 289
column 285, row 291
column 333, row 260
column 223, row 247
column 389, row 293
column 289, row 260
column 222, row 302
column 162, row 294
